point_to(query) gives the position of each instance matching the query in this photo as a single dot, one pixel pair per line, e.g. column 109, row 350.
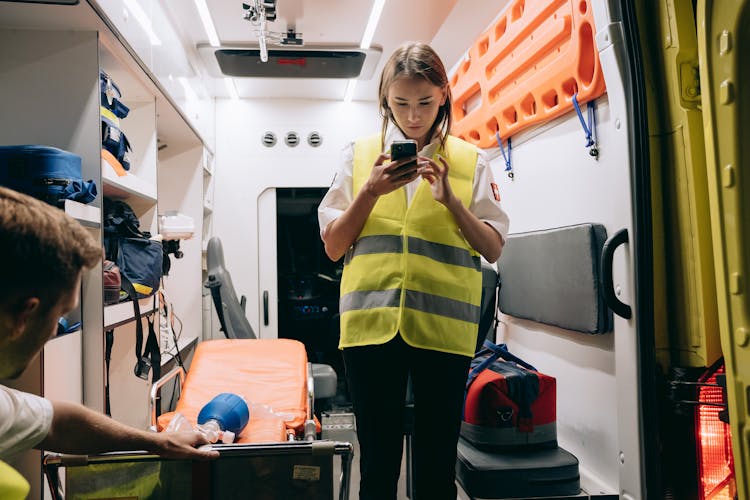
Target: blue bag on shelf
column 111, row 95
column 112, row 109
column 114, row 141
column 50, row 174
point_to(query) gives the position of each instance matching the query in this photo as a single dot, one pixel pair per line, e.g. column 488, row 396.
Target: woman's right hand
column 389, row 176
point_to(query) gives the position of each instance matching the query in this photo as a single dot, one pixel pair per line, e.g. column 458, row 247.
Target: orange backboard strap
column 525, row 69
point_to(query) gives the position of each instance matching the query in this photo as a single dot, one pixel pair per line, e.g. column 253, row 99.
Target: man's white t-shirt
column 25, row 420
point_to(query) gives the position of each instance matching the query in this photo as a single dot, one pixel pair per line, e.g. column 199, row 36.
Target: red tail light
column 714, row 441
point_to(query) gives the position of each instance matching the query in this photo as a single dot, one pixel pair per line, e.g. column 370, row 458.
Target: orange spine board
column 525, row 69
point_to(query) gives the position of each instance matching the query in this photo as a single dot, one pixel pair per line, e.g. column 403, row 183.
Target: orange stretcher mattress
column 271, row 374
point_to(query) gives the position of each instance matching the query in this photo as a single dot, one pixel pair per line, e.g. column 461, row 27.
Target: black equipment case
column 517, row 474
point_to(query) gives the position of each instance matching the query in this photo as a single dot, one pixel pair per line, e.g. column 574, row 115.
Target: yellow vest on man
column 411, row 270
column 13, row 486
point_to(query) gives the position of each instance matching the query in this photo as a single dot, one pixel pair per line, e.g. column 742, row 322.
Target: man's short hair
column 42, row 249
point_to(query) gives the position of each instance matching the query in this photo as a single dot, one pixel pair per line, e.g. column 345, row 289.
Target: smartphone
column 404, row 149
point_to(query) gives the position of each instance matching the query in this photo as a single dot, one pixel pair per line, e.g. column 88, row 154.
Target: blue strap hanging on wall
column 508, row 166
column 590, row 128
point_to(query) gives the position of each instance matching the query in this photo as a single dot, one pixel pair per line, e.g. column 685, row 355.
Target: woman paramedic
column 411, row 289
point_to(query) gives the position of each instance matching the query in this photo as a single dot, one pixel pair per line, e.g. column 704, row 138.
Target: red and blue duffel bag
column 508, row 404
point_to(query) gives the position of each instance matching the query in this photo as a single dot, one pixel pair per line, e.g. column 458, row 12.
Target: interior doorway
column 308, row 281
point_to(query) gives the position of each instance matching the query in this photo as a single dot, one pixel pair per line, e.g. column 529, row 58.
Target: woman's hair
column 42, row 250
column 416, row 59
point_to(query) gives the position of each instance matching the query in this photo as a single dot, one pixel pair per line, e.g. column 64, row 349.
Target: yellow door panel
column 686, row 325
column 723, row 41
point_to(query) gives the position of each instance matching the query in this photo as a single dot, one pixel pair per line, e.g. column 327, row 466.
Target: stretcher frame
column 205, row 477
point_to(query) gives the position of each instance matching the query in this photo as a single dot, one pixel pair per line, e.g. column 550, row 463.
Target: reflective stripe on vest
column 393, row 244
column 411, row 270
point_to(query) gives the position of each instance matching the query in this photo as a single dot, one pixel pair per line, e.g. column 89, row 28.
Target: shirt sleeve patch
column 495, row 191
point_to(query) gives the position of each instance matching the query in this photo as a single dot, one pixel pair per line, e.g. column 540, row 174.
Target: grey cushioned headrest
column 552, row 276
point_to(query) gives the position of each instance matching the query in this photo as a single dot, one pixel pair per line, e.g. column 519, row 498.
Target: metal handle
column 265, row 307
column 156, row 386
column 605, row 278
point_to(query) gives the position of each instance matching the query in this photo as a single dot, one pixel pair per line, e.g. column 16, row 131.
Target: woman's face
column 415, row 103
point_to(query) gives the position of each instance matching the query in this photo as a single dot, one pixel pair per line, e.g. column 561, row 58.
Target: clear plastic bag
column 210, row 429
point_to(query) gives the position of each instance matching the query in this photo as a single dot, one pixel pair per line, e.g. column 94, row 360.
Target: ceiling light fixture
column 231, row 88
column 140, row 15
column 372, row 23
column 190, row 94
column 350, row 86
column 208, row 22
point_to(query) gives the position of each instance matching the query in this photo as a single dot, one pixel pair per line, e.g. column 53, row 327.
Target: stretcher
column 273, row 376
column 275, row 456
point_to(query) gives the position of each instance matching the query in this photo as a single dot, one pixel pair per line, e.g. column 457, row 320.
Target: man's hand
column 183, row 445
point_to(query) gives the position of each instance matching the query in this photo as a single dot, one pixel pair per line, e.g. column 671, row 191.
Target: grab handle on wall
column 605, row 277
column 265, row 307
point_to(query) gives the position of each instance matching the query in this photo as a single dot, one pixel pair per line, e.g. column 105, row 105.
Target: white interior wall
column 556, row 183
column 245, row 168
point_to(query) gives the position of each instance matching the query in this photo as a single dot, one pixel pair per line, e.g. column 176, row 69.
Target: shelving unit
column 127, row 187
column 208, row 201
column 184, row 345
column 87, row 215
column 51, row 58
column 122, row 313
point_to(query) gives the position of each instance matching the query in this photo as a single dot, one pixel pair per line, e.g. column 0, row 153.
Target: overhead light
column 372, row 23
column 231, row 88
column 135, row 8
column 208, row 23
column 350, row 86
column 190, row 94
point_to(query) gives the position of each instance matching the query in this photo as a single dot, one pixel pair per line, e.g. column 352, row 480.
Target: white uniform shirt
column 25, row 420
column 484, row 201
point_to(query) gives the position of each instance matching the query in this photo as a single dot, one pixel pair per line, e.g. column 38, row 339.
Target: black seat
column 234, row 323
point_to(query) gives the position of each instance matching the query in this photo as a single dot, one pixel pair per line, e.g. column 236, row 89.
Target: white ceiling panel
column 320, row 22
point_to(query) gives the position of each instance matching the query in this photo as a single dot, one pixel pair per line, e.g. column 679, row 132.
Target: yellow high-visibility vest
column 411, row 270
column 13, row 486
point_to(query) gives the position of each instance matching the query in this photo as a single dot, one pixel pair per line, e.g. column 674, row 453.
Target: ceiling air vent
column 291, row 139
column 269, row 139
column 314, row 139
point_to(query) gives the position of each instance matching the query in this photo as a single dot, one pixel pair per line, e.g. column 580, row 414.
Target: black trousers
column 377, row 378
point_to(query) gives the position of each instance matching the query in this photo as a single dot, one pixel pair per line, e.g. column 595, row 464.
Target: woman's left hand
column 437, row 175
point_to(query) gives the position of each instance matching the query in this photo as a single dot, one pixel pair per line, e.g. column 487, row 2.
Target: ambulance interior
column 238, row 115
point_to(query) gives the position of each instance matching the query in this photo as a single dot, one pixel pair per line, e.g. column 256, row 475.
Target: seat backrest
column 232, row 317
column 489, row 304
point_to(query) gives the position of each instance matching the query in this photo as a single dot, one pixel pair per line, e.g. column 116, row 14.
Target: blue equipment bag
column 47, row 173
column 114, row 141
column 140, row 260
column 111, row 95
column 113, row 138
